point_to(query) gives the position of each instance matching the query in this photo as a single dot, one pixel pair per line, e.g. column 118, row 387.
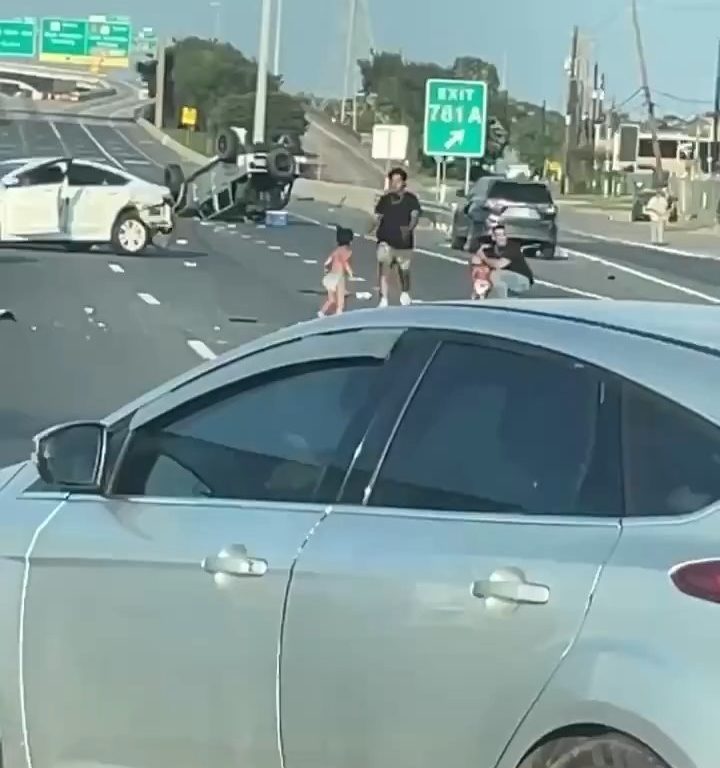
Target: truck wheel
column 174, row 178
column 129, row 235
column 281, row 164
column 610, row 750
column 227, row 146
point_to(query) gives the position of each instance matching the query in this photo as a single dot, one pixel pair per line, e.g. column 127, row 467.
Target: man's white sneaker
column 405, row 299
column 383, row 301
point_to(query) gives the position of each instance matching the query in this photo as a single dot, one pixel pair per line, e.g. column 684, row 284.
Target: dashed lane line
column 148, row 298
column 201, row 349
column 116, row 268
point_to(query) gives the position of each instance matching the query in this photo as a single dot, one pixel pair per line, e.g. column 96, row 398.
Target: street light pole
column 278, row 36
column 216, row 5
column 348, row 59
column 261, row 89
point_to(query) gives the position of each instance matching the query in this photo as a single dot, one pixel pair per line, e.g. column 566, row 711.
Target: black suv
column 525, row 208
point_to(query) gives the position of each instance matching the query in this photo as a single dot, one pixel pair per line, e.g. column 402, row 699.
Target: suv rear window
column 536, row 194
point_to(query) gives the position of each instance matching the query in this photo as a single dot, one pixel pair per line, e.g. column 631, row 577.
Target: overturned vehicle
column 240, row 182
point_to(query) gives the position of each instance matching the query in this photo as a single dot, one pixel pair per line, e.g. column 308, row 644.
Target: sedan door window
column 493, row 431
column 81, row 175
column 270, row 439
column 42, row 175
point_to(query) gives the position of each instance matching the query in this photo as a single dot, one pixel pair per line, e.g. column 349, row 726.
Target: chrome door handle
column 509, row 585
column 234, row 561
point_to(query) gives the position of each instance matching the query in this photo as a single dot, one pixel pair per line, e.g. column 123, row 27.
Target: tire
column 610, row 750
column 227, row 146
column 281, row 164
column 458, row 243
column 174, row 178
column 129, row 235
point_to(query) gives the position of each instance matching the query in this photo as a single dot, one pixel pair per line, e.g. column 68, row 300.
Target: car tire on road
column 609, row 750
column 129, row 235
column 175, row 182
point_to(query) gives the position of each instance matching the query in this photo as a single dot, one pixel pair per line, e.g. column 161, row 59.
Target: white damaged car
column 80, row 203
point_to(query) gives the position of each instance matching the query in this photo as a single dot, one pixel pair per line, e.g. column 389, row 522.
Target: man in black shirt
column 510, row 270
column 397, row 213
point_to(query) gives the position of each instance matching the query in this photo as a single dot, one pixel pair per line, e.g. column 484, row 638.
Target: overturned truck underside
column 240, row 182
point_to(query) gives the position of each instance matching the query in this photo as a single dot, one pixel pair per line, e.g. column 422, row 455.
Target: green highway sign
column 83, row 41
column 17, row 37
column 146, row 41
column 455, row 118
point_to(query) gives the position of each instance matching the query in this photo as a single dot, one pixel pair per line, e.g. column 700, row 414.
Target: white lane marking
column 232, row 226
column 190, row 263
column 274, row 248
column 309, row 261
column 116, row 268
column 21, row 629
column 246, row 237
column 58, row 136
column 357, row 279
column 148, row 298
column 138, row 149
column 100, row 146
column 89, row 310
column 644, row 276
column 181, row 241
column 201, row 349
column 647, row 246
column 292, row 254
column 364, row 295
column 260, row 242
column 144, row 163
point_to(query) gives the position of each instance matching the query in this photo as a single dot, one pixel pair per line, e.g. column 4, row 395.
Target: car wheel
column 129, row 234
column 458, row 243
column 610, row 750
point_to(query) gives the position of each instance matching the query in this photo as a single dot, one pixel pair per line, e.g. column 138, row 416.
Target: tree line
column 219, row 81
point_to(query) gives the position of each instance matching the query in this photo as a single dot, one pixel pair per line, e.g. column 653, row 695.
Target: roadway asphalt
column 96, row 329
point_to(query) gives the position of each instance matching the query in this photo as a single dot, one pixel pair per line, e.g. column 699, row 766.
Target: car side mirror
column 72, row 455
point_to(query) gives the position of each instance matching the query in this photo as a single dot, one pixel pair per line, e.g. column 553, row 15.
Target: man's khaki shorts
column 389, row 256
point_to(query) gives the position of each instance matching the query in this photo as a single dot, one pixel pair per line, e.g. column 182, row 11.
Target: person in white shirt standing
column 658, row 209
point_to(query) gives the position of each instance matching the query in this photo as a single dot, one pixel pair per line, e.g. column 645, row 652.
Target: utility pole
column 262, row 73
column 278, row 36
column 543, row 133
column 349, row 63
column 160, row 84
column 595, row 112
column 571, row 111
column 652, row 123
column 716, row 118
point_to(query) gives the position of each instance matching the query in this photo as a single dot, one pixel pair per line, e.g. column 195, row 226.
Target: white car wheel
column 130, row 235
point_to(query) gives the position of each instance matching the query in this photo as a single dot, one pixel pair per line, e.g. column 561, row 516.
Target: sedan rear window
column 536, row 194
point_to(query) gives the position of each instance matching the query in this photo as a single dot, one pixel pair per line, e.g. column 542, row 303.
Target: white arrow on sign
column 456, row 137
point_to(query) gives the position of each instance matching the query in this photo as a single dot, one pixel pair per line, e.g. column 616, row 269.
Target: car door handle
column 235, row 561
column 510, row 585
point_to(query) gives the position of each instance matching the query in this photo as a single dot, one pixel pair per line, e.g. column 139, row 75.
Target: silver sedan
column 446, row 535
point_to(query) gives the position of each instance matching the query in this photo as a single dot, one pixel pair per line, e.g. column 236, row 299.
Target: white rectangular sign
column 390, row 142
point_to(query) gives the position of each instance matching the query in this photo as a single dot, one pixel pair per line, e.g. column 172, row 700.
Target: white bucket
column 276, row 218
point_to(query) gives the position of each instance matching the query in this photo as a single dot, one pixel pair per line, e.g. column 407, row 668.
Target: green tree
column 285, row 114
column 220, row 81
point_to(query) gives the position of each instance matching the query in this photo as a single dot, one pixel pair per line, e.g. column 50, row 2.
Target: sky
column 531, row 36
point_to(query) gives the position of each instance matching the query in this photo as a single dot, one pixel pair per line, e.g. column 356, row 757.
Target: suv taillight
column 700, row 579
